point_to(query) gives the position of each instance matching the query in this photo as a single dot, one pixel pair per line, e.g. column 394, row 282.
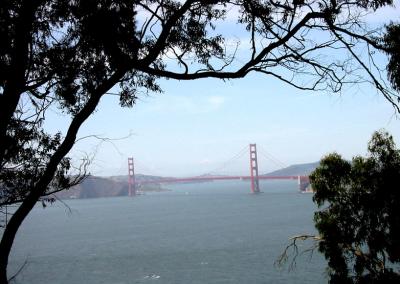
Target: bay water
column 214, row 232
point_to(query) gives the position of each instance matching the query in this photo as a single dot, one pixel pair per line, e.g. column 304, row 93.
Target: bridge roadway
column 215, row 178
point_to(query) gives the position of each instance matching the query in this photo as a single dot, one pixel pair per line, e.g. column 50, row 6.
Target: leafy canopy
column 359, row 219
column 392, row 43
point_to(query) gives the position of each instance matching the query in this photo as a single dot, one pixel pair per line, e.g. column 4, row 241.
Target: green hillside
column 295, row 170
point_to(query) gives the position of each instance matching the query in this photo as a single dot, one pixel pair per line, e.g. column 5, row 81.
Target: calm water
column 203, row 233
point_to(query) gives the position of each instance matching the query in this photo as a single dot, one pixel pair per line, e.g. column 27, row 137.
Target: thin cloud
column 216, row 101
column 186, row 105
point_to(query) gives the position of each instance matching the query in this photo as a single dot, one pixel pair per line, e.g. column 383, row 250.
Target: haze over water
column 196, row 233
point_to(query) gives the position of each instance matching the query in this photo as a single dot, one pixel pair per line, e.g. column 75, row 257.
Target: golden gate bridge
column 253, row 177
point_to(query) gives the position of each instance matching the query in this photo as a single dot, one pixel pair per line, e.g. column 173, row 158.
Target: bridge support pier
column 255, row 185
column 131, row 178
column 304, row 184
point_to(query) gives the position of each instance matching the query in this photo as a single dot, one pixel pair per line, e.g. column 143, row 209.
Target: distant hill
column 295, row 170
column 93, row 187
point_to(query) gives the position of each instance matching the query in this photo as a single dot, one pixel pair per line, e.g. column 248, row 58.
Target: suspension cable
column 271, row 158
column 238, row 155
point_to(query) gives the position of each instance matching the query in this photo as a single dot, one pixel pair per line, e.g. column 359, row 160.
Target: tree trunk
column 10, row 232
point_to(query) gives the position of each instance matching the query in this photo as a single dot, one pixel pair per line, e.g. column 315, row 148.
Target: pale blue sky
column 193, row 127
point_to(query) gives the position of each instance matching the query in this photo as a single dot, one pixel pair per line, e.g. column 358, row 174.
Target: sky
column 195, row 127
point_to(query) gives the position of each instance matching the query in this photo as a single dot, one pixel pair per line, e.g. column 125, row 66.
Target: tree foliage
column 359, row 220
column 69, row 54
column 392, row 44
column 29, row 151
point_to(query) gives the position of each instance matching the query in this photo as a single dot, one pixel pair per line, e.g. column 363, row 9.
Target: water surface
column 196, row 233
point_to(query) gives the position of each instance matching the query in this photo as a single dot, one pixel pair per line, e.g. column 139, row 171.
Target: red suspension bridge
column 254, row 177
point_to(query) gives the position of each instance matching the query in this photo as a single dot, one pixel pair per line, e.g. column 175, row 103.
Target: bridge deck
column 215, row 178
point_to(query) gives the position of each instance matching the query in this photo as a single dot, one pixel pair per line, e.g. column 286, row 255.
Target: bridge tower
column 255, row 186
column 131, row 178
